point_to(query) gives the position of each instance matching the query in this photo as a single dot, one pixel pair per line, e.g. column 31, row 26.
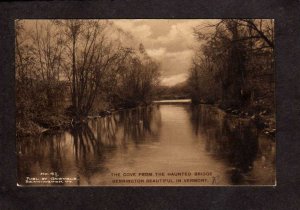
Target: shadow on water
column 140, row 124
column 235, row 141
column 82, row 151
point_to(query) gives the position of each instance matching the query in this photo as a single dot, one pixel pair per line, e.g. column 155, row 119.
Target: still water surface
column 163, row 138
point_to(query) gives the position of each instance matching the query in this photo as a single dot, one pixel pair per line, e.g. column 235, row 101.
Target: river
column 167, row 144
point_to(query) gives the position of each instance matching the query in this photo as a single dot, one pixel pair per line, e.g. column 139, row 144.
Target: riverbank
column 35, row 127
column 263, row 119
column 48, row 122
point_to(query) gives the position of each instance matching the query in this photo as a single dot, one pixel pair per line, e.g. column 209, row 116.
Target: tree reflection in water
column 41, row 154
column 88, row 151
column 228, row 138
column 83, row 151
column 140, row 123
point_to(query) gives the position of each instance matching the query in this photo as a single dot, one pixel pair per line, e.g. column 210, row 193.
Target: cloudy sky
column 170, row 42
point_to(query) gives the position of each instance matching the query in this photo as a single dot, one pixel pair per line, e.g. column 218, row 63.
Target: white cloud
column 140, row 32
column 180, row 54
column 173, row 80
column 170, row 42
column 157, row 53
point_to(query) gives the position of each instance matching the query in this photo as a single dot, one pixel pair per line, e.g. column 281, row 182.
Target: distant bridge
column 175, row 101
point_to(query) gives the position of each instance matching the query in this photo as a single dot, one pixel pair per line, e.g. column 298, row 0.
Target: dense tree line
column 178, row 91
column 136, row 80
column 234, row 64
column 77, row 67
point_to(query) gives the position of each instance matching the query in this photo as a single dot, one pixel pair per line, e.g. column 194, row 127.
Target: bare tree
column 236, row 53
column 93, row 57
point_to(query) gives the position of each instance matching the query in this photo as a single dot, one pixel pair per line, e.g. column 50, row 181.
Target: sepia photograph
column 145, row 102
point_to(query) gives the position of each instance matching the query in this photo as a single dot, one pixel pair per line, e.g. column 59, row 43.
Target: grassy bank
column 53, row 121
column 34, row 127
